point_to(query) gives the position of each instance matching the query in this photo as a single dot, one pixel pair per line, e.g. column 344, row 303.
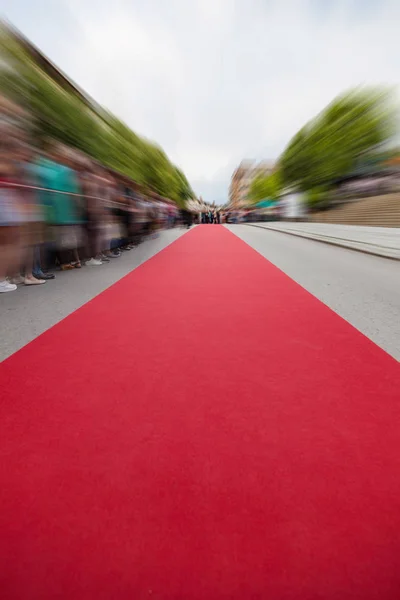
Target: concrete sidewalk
column 381, row 241
column 29, row 311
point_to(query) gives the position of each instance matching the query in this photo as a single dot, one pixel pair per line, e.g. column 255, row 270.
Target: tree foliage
column 61, row 114
column 352, row 126
column 266, row 187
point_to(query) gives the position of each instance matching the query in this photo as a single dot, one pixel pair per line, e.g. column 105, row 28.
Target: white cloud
column 215, row 81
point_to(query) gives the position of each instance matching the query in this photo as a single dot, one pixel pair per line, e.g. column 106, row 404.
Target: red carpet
column 203, row 429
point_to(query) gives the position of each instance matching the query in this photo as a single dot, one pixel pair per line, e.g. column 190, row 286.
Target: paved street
column 380, row 241
column 363, row 289
column 207, row 403
column 27, row 312
column 199, row 301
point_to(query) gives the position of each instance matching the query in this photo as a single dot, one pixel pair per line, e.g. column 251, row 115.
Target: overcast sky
column 215, row 81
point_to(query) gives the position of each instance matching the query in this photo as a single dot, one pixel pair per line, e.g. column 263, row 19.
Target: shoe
column 93, row 262
column 33, row 281
column 17, row 280
column 115, row 254
column 67, row 267
column 5, row 286
column 104, row 258
column 44, row 276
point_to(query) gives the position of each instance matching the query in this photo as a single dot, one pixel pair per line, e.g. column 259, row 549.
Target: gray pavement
column 362, row 288
column 29, row 311
column 381, row 241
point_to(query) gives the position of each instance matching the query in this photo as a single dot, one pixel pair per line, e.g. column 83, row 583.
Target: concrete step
column 383, row 211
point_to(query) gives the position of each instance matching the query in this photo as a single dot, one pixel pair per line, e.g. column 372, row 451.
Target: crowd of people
column 61, row 210
column 230, row 216
column 211, row 216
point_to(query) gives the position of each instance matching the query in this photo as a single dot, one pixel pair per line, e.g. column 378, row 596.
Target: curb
column 365, row 247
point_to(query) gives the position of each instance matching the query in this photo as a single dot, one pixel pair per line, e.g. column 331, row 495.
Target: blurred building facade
column 195, row 205
column 242, row 178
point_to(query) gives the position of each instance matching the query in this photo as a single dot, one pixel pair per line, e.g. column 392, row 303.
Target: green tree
column 266, row 187
column 61, row 113
column 352, row 126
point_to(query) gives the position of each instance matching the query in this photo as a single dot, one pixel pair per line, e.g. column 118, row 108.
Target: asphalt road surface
column 363, row 289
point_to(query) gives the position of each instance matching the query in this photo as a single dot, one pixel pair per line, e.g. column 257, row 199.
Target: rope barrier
column 110, row 203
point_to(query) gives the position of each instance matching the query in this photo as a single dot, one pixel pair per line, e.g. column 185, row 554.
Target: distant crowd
column 211, row 216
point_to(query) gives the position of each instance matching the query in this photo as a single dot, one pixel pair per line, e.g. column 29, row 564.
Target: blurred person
column 160, row 215
column 92, row 190
column 143, row 216
column 119, row 226
column 171, row 216
column 163, row 215
column 108, row 191
column 73, row 226
column 126, row 217
column 37, row 216
column 10, row 213
column 153, row 218
column 31, row 218
column 111, row 227
column 134, row 224
column 150, row 217
column 114, row 229
column 55, row 174
column 186, row 218
column 125, row 196
column 121, row 213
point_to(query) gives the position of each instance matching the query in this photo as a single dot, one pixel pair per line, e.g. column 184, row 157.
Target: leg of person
column 95, row 260
column 9, row 255
column 16, row 271
column 75, row 243
column 37, row 271
column 63, row 252
column 76, row 261
column 37, row 265
column 29, row 278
